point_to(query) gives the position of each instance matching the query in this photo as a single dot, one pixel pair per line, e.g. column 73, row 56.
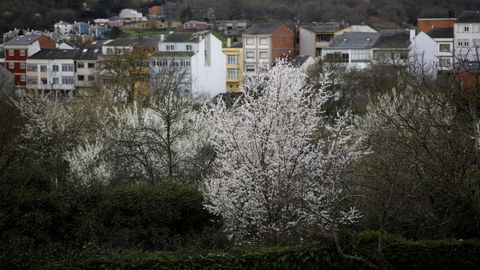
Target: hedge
column 397, row 253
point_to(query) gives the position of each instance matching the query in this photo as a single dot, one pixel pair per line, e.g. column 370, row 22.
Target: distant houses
column 208, row 67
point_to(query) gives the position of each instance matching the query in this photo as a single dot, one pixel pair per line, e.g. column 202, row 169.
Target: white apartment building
column 197, row 58
column 87, row 66
column 467, row 36
column 131, row 15
column 444, row 38
column 313, row 38
column 64, row 28
column 52, row 69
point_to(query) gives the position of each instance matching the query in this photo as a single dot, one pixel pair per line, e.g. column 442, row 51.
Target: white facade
column 51, row 74
column 63, row 28
column 350, row 58
column 131, row 15
column 467, row 41
column 445, row 53
column 307, row 42
column 356, row 28
column 257, row 50
column 204, row 63
column 424, row 52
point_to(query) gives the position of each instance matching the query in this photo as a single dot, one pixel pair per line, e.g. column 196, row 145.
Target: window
column 11, row 65
column 175, row 64
column 67, row 80
column 11, row 53
column 109, row 51
column 232, row 73
column 31, row 80
column 44, row 81
column 80, row 65
column 263, row 41
column 463, row 43
column 91, row 78
column 43, row 68
column 22, row 78
column 250, row 41
column 55, row 81
column 22, row 52
column 32, row 68
column 162, row 63
column 81, row 78
column 232, row 59
column 466, row 29
column 91, row 65
column 188, row 47
column 263, row 55
column 55, row 68
column 318, row 51
column 250, row 55
column 444, row 62
column 250, row 68
column 338, row 57
column 170, row 47
column 444, row 47
column 185, row 63
column 67, row 67
column 323, row 38
column 23, row 66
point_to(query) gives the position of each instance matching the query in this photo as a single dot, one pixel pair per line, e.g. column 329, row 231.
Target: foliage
column 398, row 253
column 423, row 176
column 279, row 159
column 38, row 220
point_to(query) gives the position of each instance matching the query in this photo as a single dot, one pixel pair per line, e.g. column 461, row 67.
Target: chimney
column 229, row 42
column 162, row 37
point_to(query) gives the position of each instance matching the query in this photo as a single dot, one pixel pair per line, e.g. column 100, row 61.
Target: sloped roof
column 354, row 40
column 55, row 54
column 23, row 40
column 393, row 39
column 263, row 29
column 237, row 45
column 300, row 60
column 88, row 54
column 441, row 33
column 122, row 42
column 322, row 28
column 469, row 16
column 181, row 37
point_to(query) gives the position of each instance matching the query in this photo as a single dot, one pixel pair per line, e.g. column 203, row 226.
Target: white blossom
column 279, row 158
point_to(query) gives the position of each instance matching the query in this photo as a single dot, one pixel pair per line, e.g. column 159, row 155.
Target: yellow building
column 234, row 55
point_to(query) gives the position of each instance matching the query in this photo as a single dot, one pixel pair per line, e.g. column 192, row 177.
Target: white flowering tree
column 280, row 159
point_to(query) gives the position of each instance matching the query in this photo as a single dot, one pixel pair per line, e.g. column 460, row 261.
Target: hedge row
column 397, row 253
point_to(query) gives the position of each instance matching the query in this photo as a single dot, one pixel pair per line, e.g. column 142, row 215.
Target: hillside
column 41, row 14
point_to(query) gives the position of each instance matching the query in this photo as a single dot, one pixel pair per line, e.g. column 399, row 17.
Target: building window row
column 67, row 80
column 233, row 73
column 68, row 67
column 232, row 59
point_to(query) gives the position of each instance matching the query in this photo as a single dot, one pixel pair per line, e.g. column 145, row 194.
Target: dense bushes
column 39, row 221
column 397, row 253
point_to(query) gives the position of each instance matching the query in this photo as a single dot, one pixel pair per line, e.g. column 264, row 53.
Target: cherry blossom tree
column 280, row 159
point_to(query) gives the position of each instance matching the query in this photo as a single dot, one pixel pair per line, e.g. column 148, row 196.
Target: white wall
column 209, row 68
column 50, row 74
column 307, row 42
column 470, row 52
column 424, row 53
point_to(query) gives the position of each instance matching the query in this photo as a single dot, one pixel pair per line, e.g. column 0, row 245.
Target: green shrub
column 32, row 214
column 397, row 253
